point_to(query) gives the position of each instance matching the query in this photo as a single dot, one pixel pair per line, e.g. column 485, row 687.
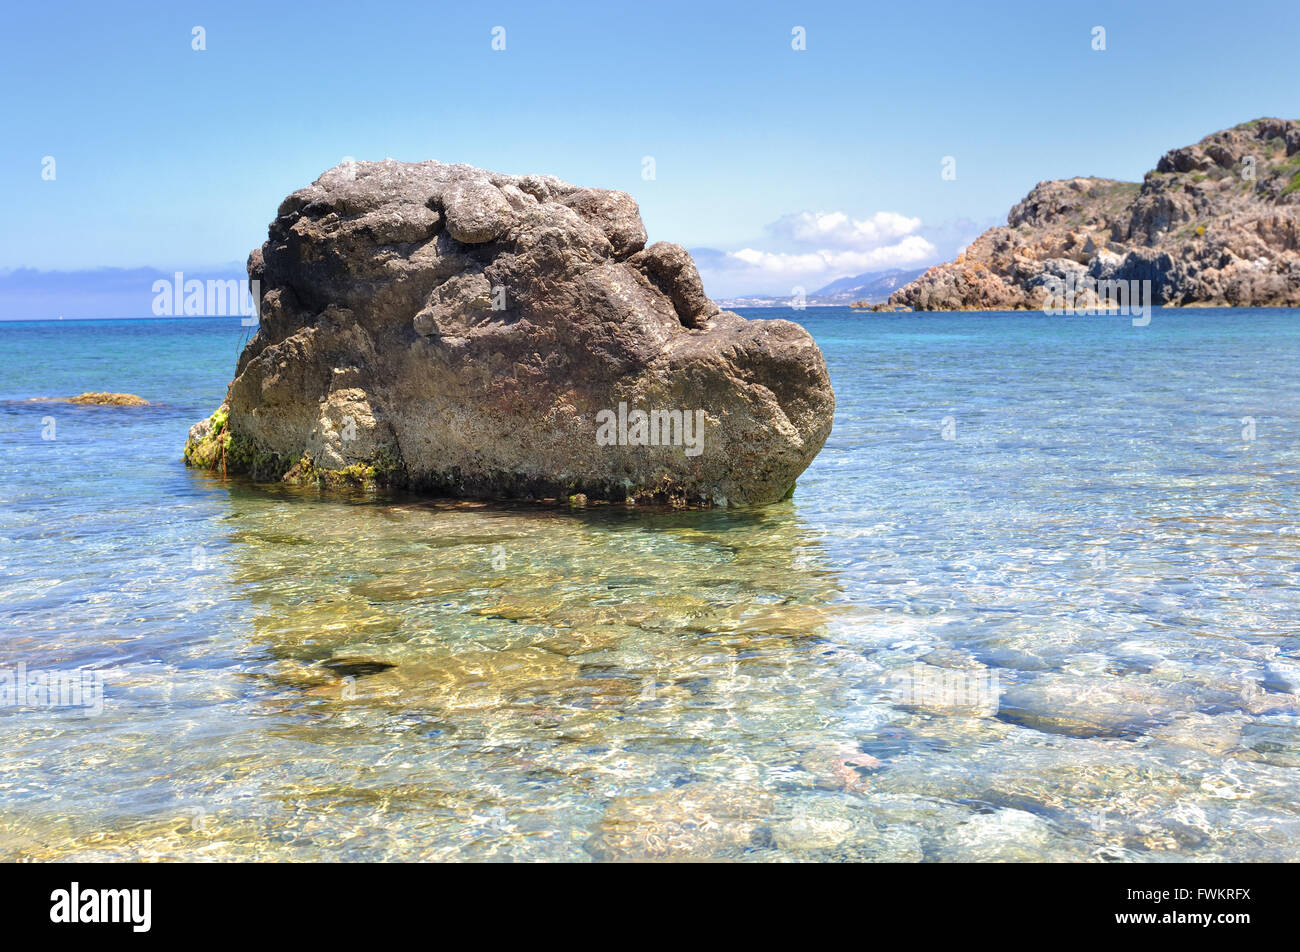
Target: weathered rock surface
column 458, row 331
column 1216, row 223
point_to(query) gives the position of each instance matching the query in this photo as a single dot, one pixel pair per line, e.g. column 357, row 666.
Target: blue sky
column 774, row 158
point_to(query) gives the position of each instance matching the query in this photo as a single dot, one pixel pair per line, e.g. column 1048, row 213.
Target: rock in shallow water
column 448, row 329
column 98, row 400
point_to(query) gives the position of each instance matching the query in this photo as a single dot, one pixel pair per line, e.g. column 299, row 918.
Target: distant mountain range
column 873, row 287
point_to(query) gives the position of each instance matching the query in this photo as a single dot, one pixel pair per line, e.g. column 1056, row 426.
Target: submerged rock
column 696, row 823
column 453, row 330
column 97, row 399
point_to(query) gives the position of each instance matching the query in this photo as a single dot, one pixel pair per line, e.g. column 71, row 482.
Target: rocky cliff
column 462, row 332
column 1215, row 223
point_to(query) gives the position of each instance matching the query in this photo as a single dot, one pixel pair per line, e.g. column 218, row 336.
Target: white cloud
column 832, row 263
column 839, row 230
column 812, row 249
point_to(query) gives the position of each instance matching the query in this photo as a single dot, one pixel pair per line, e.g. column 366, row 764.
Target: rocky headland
column 1215, row 224
column 461, row 332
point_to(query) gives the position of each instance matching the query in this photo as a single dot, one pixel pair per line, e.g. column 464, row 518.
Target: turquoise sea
column 1038, row 598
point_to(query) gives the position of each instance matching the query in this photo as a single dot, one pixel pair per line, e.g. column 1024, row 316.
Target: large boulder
column 457, row 331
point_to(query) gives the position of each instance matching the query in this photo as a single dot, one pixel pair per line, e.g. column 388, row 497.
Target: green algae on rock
column 212, row 445
column 208, row 446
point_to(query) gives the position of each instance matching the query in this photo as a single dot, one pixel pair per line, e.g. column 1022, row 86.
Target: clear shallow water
column 288, row 675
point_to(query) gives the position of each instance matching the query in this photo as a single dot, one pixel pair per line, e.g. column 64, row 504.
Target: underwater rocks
column 99, row 400
column 451, row 330
column 693, row 823
column 1098, row 705
column 1215, row 223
